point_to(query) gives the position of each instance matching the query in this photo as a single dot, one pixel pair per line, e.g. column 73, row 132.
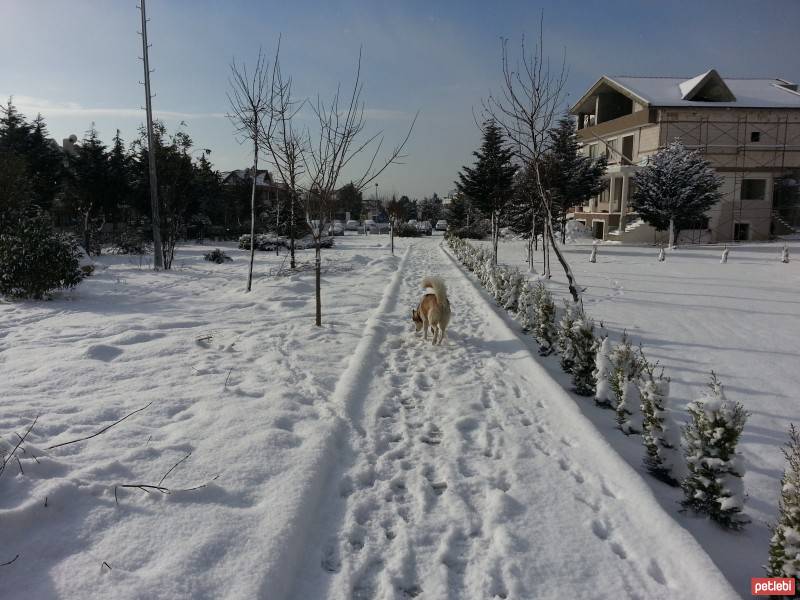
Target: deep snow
column 352, row 460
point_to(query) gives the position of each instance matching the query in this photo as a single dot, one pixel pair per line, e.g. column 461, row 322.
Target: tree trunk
column 86, row 236
column 495, row 236
column 564, row 230
column 291, row 231
column 253, row 217
column 671, row 234
column 317, row 284
column 391, row 233
column 570, row 277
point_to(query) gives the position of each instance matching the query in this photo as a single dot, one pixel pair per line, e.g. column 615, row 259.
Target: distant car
column 336, row 228
column 379, row 227
column 441, row 225
column 412, row 221
column 425, row 227
column 352, row 225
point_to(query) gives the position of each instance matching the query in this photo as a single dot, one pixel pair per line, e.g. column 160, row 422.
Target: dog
column 433, row 310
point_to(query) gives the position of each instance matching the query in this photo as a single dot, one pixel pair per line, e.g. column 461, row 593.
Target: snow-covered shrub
column 516, row 283
column 626, row 368
column 217, row 256
column 785, row 254
column 407, row 230
column 593, row 255
column 545, row 319
column 784, row 546
column 564, row 340
column 714, row 483
column 35, row 260
column 725, row 253
column 584, row 352
column 660, row 434
column 526, row 306
column 603, row 371
column 661, row 256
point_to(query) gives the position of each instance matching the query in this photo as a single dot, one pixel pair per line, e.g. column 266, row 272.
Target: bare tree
column 532, row 99
column 250, row 104
column 336, row 141
column 285, row 145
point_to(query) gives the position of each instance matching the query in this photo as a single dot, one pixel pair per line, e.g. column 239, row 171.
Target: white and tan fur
column 433, row 310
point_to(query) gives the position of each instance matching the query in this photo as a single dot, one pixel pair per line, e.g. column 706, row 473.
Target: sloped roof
column 751, row 93
column 678, row 91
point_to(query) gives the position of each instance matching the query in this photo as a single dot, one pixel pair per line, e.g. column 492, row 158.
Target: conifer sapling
column 784, row 547
column 714, row 483
column 584, row 351
column 660, row 434
column 603, row 370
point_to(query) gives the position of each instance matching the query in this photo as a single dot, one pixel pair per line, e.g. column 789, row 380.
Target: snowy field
column 693, row 314
column 355, row 460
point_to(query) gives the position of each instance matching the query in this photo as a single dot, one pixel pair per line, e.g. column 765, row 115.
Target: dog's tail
column 439, row 288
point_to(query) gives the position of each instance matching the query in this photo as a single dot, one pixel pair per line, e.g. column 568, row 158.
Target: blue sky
column 76, row 61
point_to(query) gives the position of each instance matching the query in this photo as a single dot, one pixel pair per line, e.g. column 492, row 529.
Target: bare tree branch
column 103, row 430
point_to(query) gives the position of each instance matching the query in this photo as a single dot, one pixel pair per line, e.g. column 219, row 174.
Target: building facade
column 748, row 129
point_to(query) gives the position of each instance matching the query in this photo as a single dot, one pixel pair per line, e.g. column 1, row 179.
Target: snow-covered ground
column 348, row 461
column 694, row 314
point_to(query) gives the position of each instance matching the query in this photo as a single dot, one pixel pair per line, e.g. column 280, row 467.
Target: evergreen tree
column 714, row 483
column 545, row 320
column 490, row 182
column 15, row 131
column 45, row 165
column 626, row 369
column 660, row 434
column 584, row 354
column 565, row 343
column 675, row 189
column 526, row 307
column 603, row 371
column 88, row 186
column 120, row 184
column 784, row 547
column 349, row 199
column 571, row 177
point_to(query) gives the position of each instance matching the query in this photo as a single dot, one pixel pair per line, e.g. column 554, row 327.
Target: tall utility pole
column 158, row 257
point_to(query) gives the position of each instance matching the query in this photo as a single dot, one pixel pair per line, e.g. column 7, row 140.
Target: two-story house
column 748, row 129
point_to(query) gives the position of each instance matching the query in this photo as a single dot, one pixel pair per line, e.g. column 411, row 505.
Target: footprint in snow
column 103, row 352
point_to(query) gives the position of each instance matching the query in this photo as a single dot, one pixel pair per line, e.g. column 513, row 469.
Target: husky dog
column 433, row 310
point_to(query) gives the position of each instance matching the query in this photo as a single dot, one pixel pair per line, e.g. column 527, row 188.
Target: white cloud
column 30, row 105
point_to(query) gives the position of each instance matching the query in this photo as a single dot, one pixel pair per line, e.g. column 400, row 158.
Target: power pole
column 158, row 256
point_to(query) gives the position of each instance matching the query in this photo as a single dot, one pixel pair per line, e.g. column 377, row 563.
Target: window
column 592, row 150
column 741, row 232
column 627, row 147
column 754, row 189
column 755, row 136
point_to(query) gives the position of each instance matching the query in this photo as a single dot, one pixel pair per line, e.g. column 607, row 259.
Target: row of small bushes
column 619, row 377
column 270, row 242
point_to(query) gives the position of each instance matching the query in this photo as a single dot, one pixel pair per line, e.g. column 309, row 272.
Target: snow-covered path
column 469, row 473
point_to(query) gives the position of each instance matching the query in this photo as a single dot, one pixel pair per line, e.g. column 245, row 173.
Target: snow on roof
column 670, row 91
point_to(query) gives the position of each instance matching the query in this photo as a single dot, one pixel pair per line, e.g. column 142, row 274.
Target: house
column 267, row 189
column 748, row 129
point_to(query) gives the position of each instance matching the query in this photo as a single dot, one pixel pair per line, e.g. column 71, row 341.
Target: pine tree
column 675, row 189
column 88, row 183
column 526, row 307
column 714, row 483
column 572, row 177
column 489, row 184
column 584, row 351
column 545, row 319
column 784, row 547
column 660, row 434
column 120, row 181
column 626, row 369
column 566, row 347
column 603, row 372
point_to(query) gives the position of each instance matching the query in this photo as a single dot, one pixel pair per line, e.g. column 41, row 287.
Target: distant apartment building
column 748, row 129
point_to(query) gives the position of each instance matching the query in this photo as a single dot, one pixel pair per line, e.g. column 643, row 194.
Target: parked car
column 352, row 225
column 336, row 228
column 368, row 224
column 425, row 227
column 441, row 225
column 412, row 221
